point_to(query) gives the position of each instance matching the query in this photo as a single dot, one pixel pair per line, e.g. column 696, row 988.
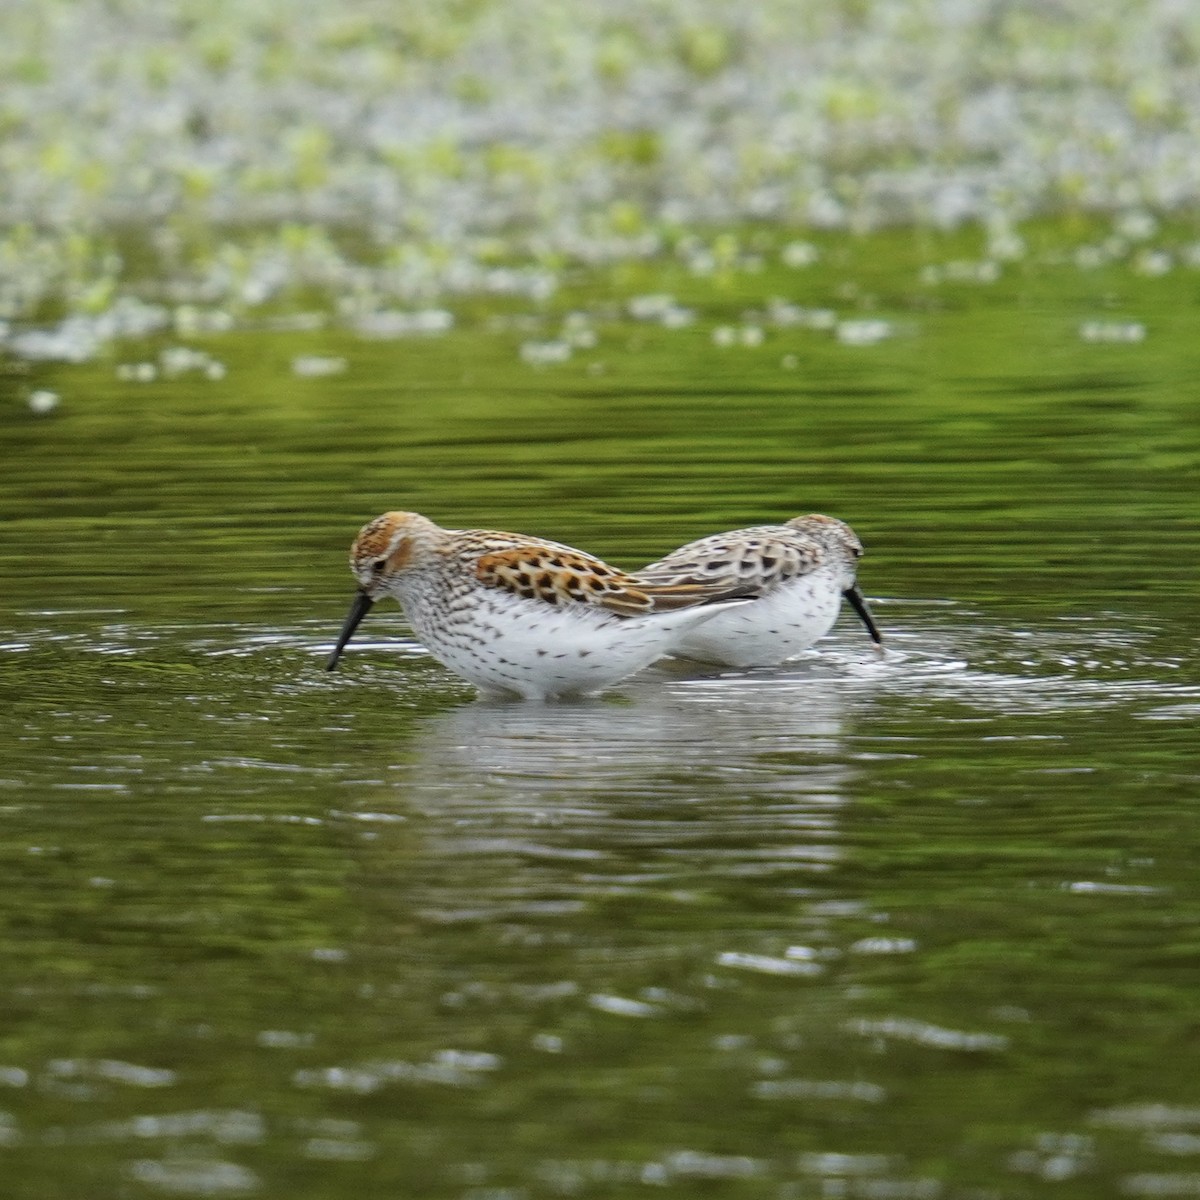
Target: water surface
column 913, row 926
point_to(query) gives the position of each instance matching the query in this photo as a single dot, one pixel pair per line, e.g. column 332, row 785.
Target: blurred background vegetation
column 240, row 154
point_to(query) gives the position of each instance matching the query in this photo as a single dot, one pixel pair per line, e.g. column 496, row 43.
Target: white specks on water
column 571, row 1176
column 767, row 964
column 622, row 1006
column 316, row 366
column 1149, row 1116
column 922, row 1033
column 72, row 341
column 579, row 331
column 730, row 1042
column 984, row 271
column 451, row 1068
column 1137, row 225
column 797, row 254
column 10, row 1132
column 1171, row 712
column 137, row 372
column 192, row 320
column 329, row 954
column 283, row 1039
column 1161, row 1184
column 883, row 945
column 1004, row 243
column 1174, row 1143
column 693, row 1164
column 867, row 331
column 677, row 317
column 841, row 1165
column 229, row 1127
column 384, row 324
column 173, row 361
column 661, row 308
column 184, row 1176
column 1090, row 257
column 1113, row 332
column 1055, row 1156
column 545, row 353
column 79, row 337
column 43, row 401
column 649, row 307
column 109, row 1070
column 1092, row 887
column 1153, row 263
column 785, row 314
column 801, row 953
column 855, row 1090
column 369, row 817
column 181, row 360
column 748, row 336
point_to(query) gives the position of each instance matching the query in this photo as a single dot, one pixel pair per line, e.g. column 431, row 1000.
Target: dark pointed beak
column 358, row 609
column 858, row 602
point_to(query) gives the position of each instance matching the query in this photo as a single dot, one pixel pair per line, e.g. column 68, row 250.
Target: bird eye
column 378, row 565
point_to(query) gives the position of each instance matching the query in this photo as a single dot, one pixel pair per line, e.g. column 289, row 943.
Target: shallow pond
column 915, row 927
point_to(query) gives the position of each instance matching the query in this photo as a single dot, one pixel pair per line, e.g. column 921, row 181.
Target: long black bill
column 358, row 609
column 858, row 602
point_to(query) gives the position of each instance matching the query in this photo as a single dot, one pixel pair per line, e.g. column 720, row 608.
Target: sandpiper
column 798, row 573
column 518, row 614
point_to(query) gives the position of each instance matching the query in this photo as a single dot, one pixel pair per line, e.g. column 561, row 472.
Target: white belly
column 767, row 630
column 503, row 643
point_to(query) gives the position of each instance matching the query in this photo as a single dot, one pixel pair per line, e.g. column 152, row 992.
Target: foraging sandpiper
column 797, row 572
column 520, row 614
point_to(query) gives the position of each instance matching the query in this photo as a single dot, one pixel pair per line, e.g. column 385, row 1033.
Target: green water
column 916, row 928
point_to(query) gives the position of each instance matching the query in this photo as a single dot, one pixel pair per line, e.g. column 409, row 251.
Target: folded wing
column 558, row 575
column 752, row 560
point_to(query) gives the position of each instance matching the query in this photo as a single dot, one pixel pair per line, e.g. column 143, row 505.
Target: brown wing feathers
column 562, row 576
column 754, row 563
